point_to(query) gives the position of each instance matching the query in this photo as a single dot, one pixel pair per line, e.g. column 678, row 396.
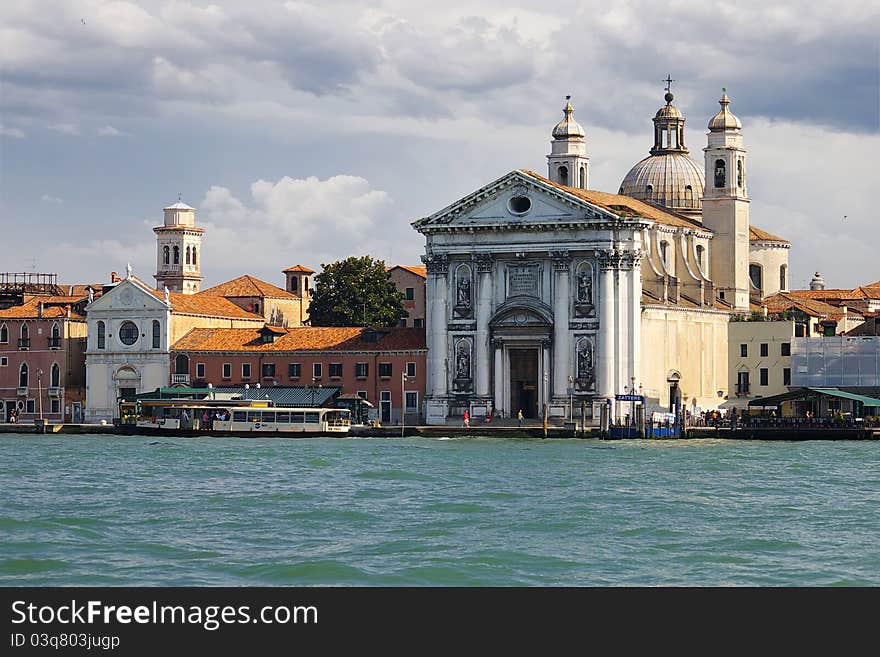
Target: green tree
column 355, row 292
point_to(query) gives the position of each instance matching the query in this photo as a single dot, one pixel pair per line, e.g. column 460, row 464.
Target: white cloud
column 108, row 131
column 11, row 132
column 66, row 129
column 52, row 200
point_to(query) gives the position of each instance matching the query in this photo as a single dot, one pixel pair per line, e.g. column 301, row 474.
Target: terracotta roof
column 31, row 309
column 831, row 295
column 758, row 235
column 623, row 205
column 302, row 338
column 247, row 286
column 205, row 305
column 415, row 269
column 783, row 301
column 299, row 268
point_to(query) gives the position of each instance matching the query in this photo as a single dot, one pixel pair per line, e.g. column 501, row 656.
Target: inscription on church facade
column 523, row 280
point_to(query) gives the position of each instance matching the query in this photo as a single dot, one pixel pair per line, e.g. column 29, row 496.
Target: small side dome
column 725, row 119
column 818, row 283
column 568, row 128
column 668, row 111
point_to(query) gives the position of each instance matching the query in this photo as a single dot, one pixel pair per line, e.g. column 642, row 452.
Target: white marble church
column 543, row 291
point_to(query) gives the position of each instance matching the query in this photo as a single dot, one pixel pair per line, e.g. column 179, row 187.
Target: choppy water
column 109, row 510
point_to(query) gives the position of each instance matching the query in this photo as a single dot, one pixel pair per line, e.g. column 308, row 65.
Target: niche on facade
column 463, row 307
column 463, row 379
column 585, row 370
column 583, row 290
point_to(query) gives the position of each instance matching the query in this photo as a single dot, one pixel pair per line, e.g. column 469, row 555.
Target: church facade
column 541, row 291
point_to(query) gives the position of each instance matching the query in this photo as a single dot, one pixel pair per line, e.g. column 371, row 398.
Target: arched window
column 700, row 252
column 102, row 335
column 649, row 190
column 689, row 196
column 25, row 333
column 583, row 177
column 756, row 275
column 55, row 376
column 176, row 255
column 739, row 173
column 187, row 255
column 720, row 173
column 306, row 284
column 783, row 275
column 664, row 249
column 23, row 376
column 157, row 335
column 56, row 331
column 4, row 333
column 166, row 254
column 293, row 283
column 194, row 256
column 563, row 175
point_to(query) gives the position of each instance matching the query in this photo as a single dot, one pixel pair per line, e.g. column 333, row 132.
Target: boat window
column 239, row 416
column 312, row 418
column 254, row 416
column 282, row 418
column 269, row 416
column 296, row 418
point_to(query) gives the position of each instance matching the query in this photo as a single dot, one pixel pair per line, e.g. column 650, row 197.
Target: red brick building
column 410, row 281
column 385, row 366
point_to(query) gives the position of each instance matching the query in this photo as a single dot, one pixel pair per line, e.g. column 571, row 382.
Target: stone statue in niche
column 464, row 292
column 719, row 173
column 463, row 365
column 585, row 288
column 585, row 367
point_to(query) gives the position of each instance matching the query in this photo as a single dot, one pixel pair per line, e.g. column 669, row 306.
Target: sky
column 306, row 132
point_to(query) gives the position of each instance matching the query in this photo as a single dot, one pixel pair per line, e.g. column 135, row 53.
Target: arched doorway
column 128, row 382
column 674, row 379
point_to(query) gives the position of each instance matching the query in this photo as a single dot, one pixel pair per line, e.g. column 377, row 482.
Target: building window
column 689, row 196
column 334, row 370
column 166, row 255
column 157, row 334
column 649, row 189
column 31, row 406
column 128, row 333
column 102, row 338
column 55, row 340
column 664, row 248
column 700, row 252
column 583, row 184
column 783, row 277
column 25, row 336
column 563, row 175
column 176, row 255
column 385, row 370
column 756, row 276
column 744, row 350
column 412, row 402
column 720, row 174
column 187, row 255
column 410, row 369
column 410, row 293
column 194, row 256
column 765, row 350
column 293, row 283
column 56, row 407
column 200, row 370
column 418, row 323
column 786, row 376
column 268, row 370
column 317, row 371
column 401, row 322
column 293, row 370
column 785, row 349
column 4, row 334
column 23, row 376
column 742, row 383
column 55, row 376
column 4, row 361
column 765, row 375
column 245, row 370
column 227, row 370
column 362, row 370
column 739, row 173
column 362, row 394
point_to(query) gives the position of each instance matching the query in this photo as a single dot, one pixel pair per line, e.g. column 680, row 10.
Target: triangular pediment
column 516, row 199
column 127, row 294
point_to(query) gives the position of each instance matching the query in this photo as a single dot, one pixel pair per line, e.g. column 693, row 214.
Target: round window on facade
column 519, row 205
column 128, row 333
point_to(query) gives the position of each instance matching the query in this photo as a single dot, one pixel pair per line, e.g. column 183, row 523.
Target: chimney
column 67, row 307
column 114, row 277
column 40, row 310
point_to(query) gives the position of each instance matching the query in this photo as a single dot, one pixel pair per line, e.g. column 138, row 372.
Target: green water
column 109, row 510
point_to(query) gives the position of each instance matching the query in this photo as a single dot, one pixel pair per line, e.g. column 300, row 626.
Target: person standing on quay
column 519, row 418
column 467, row 420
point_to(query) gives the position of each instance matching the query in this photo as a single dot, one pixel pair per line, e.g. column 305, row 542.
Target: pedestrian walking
column 467, row 420
column 519, row 418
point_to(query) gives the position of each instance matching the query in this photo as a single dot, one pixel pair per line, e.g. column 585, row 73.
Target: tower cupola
column 568, row 163
column 179, row 250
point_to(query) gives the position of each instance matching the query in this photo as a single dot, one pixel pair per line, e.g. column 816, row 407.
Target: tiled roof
column 783, row 301
column 758, row 235
column 31, row 309
column 205, row 305
column 622, row 205
column 415, row 269
column 831, row 295
column 304, row 338
column 299, row 268
column 247, row 286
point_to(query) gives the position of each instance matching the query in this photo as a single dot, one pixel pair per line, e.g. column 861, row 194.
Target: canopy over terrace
column 820, row 401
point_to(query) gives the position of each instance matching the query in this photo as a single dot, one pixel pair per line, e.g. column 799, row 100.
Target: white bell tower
column 179, row 250
column 568, row 163
column 726, row 206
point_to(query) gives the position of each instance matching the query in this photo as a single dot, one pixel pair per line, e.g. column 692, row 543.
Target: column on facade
column 633, row 262
column 545, row 377
column 499, row 376
column 483, row 312
column 605, row 385
column 438, row 269
column 561, row 334
column 429, row 327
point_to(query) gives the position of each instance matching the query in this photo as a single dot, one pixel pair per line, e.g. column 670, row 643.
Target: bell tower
column 179, row 250
column 568, row 163
column 726, row 206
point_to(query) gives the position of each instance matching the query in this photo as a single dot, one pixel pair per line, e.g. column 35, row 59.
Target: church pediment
column 522, row 312
column 514, row 199
column 126, row 295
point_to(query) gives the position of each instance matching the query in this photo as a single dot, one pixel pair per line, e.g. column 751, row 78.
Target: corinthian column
column 632, row 261
column 561, row 302
column 606, row 383
column 438, row 269
column 484, row 309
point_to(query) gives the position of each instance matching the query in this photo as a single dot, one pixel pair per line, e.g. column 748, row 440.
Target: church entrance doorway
column 524, row 382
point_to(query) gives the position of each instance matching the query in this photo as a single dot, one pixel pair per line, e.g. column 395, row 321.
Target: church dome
column 568, row 128
column 725, row 119
column 672, row 180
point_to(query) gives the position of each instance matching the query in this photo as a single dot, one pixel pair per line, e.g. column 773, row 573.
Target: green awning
column 811, row 393
column 834, row 392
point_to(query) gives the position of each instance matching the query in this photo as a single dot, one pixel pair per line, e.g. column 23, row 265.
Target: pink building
column 410, row 281
column 42, row 359
column 385, row 366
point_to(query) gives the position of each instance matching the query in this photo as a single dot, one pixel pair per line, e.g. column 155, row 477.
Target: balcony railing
column 54, row 343
column 54, row 391
column 180, row 378
column 742, row 388
column 24, row 343
column 22, row 391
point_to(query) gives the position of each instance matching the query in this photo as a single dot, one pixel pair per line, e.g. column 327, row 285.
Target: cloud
column 53, row 200
column 108, row 131
column 66, row 129
column 11, row 132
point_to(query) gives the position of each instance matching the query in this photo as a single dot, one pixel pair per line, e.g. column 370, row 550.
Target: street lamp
column 312, row 391
column 403, row 380
column 570, row 398
column 40, row 392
